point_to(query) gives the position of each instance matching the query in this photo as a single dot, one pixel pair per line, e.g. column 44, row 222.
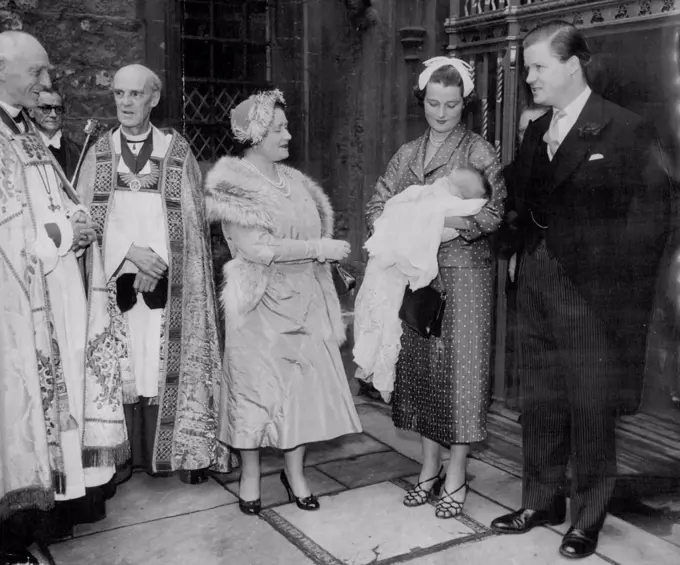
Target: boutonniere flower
column 590, row 130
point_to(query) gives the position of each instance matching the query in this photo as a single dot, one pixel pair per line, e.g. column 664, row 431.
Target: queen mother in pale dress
column 285, row 381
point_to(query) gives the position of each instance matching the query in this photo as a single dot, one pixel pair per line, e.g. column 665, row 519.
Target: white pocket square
column 596, row 157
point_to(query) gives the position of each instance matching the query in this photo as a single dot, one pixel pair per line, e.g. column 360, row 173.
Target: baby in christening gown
column 466, row 184
column 403, row 251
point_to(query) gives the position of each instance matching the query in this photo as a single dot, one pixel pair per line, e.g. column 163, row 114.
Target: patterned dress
column 442, row 384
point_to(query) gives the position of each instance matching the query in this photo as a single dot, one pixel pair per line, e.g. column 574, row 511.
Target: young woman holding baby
column 441, row 386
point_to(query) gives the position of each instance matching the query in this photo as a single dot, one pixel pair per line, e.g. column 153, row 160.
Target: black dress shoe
column 578, row 544
column 525, row 520
column 17, row 557
column 194, row 477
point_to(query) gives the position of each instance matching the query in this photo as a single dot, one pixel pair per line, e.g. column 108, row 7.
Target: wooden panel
column 361, row 106
column 646, row 446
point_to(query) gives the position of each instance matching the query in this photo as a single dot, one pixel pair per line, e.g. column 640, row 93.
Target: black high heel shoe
column 249, row 507
column 308, row 503
column 417, row 495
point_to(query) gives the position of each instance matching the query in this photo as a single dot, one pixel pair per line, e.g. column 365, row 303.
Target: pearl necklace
column 282, row 185
column 436, row 143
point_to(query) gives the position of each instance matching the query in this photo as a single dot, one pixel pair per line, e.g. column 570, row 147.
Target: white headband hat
column 464, row 70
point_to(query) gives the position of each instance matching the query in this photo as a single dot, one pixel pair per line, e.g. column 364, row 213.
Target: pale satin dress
column 286, row 381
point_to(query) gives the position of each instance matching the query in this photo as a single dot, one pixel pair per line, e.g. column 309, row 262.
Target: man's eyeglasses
column 58, row 110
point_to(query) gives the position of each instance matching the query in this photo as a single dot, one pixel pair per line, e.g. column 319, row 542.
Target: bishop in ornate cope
column 142, row 186
column 61, row 414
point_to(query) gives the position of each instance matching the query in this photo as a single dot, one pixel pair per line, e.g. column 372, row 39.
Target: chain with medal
column 135, row 163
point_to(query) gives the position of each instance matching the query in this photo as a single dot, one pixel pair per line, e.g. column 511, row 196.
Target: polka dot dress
column 442, row 385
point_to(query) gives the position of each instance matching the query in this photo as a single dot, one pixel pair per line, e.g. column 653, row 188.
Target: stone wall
column 87, row 41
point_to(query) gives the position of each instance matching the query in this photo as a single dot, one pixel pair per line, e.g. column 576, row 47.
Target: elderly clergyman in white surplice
column 61, row 415
column 143, row 188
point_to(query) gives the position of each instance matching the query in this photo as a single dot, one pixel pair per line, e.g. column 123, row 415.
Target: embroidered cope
column 60, row 397
column 170, row 355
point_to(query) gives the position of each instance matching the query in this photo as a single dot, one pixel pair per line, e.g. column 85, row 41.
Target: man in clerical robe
column 61, row 414
column 48, row 116
column 143, row 189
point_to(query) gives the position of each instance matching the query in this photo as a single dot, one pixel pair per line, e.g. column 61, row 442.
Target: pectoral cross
column 53, row 207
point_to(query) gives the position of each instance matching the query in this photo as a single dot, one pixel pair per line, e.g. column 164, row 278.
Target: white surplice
column 138, row 218
column 69, row 308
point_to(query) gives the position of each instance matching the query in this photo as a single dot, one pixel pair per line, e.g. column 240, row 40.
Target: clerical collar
column 13, row 111
column 135, row 138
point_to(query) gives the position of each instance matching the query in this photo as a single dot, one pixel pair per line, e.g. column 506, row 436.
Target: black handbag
column 422, row 310
column 343, row 280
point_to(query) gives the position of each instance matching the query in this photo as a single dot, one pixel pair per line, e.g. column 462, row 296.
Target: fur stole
column 234, row 194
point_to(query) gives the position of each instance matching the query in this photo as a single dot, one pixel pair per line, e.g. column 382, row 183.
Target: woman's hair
column 566, row 41
column 240, row 147
column 446, row 76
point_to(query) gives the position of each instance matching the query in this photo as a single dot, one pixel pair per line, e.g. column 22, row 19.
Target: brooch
column 136, row 183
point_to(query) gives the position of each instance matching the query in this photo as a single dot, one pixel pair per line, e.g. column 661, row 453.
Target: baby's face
column 466, row 183
column 453, row 187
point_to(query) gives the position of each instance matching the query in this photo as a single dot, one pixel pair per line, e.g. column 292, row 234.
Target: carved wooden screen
column 226, row 55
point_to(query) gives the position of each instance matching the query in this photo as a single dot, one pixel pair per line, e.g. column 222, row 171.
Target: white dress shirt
column 54, row 141
column 571, row 114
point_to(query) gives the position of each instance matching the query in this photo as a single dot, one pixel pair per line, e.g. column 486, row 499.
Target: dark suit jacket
column 606, row 210
column 67, row 156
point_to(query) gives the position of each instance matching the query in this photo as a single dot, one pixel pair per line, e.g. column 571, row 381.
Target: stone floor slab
column 271, row 461
column 538, row 547
column 351, row 445
column 371, row 524
column 477, row 507
column 629, row 545
column 273, row 492
column 377, row 422
column 345, row 447
column 659, row 516
column 213, row 537
column 143, row 498
column 495, row 484
column 619, row 541
column 370, row 469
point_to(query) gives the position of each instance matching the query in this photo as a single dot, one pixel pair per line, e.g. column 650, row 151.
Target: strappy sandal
column 417, row 495
column 447, row 507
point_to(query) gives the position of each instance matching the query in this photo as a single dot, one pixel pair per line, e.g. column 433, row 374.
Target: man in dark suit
column 49, row 118
column 507, row 234
column 592, row 208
